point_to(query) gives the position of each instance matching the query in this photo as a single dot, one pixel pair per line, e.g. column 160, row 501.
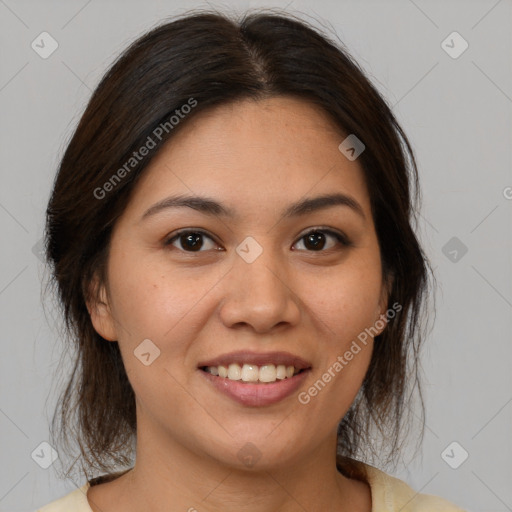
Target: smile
column 255, row 379
column 252, row 373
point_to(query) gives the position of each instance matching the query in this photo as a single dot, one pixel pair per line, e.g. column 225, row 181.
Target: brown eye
column 190, row 241
column 317, row 239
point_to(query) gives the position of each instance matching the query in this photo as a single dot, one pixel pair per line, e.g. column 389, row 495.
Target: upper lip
column 257, row 359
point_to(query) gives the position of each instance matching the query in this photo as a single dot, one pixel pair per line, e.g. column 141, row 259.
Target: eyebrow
column 209, row 206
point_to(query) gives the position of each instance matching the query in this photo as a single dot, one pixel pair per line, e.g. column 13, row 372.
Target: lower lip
column 256, row 395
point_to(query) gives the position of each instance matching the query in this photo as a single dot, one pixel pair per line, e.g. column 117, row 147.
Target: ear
column 99, row 310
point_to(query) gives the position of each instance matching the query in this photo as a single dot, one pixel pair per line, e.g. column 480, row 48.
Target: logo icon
column 454, row 455
column 38, row 250
column 454, row 249
column 44, row 45
column 249, row 250
column 146, row 352
column 454, row 45
column 352, row 147
column 44, row 455
column 249, row 455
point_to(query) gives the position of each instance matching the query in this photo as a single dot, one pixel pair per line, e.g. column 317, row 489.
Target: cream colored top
column 389, row 494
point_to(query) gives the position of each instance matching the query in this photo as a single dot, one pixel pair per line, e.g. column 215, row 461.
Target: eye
column 315, row 240
column 190, row 240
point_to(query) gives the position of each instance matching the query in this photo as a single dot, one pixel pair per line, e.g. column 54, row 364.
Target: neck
column 167, row 473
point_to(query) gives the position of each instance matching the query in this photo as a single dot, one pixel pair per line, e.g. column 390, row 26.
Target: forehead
column 254, row 154
column 280, row 124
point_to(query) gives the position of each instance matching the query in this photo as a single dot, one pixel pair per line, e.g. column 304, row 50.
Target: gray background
column 457, row 113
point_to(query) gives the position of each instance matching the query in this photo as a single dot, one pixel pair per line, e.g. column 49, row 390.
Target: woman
column 230, row 235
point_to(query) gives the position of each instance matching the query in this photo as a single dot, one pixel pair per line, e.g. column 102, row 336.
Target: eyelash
column 341, row 238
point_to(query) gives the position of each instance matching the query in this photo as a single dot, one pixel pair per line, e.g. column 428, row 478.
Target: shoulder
column 75, row 501
column 390, row 494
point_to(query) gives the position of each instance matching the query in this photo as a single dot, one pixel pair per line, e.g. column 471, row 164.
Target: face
column 246, row 285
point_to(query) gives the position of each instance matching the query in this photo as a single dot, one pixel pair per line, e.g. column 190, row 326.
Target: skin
column 256, row 158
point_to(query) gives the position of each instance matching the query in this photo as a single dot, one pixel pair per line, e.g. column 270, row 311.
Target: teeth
column 234, row 372
column 268, row 373
column 281, row 372
column 253, row 373
column 250, row 373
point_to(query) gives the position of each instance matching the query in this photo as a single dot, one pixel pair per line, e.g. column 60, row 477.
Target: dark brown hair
column 214, row 59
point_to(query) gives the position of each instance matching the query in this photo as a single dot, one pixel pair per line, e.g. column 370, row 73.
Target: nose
column 259, row 296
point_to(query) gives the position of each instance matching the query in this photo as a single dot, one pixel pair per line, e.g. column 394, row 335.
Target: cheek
column 169, row 307
column 151, row 302
column 159, row 317
column 344, row 312
column 345, row 302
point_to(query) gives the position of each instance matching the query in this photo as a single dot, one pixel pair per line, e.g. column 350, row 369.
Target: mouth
column 255, row 379
column 246, row 373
